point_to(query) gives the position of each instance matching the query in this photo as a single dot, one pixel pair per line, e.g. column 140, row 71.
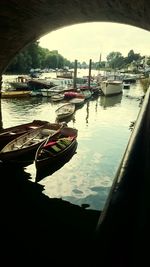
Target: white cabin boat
column 60, row 86
column 52, row 91
column 111, row 87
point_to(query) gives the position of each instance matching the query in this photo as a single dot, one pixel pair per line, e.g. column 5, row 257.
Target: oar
column 30, row 139
column 5, row 133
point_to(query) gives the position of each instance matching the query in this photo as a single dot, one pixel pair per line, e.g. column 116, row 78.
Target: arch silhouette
column 125, row 221
column 22, row 22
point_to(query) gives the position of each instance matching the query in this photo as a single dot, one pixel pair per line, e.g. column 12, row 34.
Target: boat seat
column 12, row 133
column 37, row 139
column 61, row 144
column 56, row 148
column 17, row 146
column 64, row 142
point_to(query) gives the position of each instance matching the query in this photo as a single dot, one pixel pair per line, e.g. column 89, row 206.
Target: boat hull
column 65, row 111
column 77, row 101
column 50, row 165
column 55, row 151
column 10, row 94
column 111, row 88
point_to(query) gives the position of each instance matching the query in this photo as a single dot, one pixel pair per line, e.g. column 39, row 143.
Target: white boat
column 111, row 87
column 58, row 89
column 60, row 85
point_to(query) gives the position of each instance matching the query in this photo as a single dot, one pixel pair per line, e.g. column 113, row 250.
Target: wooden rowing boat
column 65, row 111
column 23, row 148
column 56, row 150
column 9, row 134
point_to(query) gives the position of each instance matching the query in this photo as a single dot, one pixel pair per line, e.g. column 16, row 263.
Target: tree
column 132, row 56
column 115, row 60
column 148, row 61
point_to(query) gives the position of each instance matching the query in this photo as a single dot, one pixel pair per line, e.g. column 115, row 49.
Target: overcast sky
column 87, row 40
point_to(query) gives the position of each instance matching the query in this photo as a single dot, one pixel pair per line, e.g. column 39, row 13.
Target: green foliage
column 34, row 56
column 145, row 83
column 133, row 57
column 115, row 60
column 148, row 61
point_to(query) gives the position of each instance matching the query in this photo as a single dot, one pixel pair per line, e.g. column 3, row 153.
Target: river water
column 103, row 132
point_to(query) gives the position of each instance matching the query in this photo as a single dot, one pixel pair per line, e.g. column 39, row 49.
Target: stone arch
column 23, row 22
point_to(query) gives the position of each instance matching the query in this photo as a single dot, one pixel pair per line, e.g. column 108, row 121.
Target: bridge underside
column 22, row 22
column 124, row 225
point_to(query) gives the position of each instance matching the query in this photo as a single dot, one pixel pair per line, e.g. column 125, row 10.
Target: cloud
column 87, row 40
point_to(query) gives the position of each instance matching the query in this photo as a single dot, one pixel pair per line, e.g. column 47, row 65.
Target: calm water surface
column 103, row 133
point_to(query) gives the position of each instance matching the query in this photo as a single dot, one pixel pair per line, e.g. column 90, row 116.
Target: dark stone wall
column 22, row 22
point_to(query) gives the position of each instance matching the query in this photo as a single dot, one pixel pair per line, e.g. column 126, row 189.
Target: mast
column 89, row 76
column 75, row 75
column 100, row 58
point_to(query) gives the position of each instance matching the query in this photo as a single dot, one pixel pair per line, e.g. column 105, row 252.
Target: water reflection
column 87, row 112
column 110, row 101
column 67, row 119
column 96, row 105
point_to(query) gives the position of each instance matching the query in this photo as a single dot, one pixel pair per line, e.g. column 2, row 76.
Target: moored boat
column 58, row 89
column 77, row 101
column 65, row 111
column 36, row 92
column 55, row 151
column 113, row 87
column 15, row 93
column 68, row 74
column 10, row 133
column 20, row 83
column 36, row 84
column 85, row 92
column 72, row 94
